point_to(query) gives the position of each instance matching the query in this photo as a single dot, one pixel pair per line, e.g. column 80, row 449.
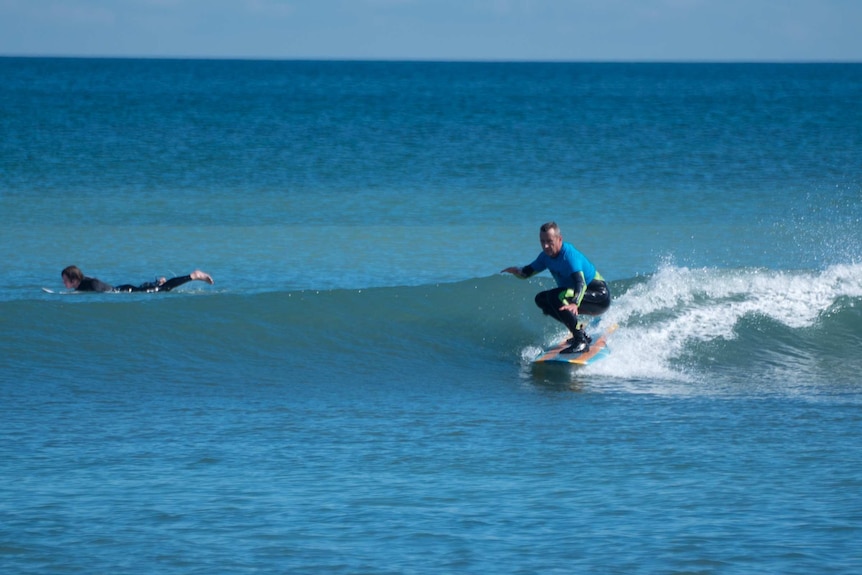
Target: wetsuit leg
column 549, row 302
column 597, row 298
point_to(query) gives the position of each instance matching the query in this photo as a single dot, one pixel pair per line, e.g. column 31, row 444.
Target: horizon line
column 428, row 60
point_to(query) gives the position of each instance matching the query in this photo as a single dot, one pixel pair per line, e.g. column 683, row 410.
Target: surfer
column 74, row 279
column 580, row 288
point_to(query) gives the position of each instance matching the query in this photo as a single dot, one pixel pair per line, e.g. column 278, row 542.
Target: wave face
column 695, row 327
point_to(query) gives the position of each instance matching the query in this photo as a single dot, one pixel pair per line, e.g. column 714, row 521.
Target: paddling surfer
column 74, row 278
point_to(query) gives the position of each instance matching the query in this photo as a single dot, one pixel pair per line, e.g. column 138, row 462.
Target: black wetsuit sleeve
column 527, row 271
column 580, row 287
column 174, row 282
column 92, row 284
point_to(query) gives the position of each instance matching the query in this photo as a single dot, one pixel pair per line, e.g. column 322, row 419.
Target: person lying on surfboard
column 580, row 288
column 74, row 279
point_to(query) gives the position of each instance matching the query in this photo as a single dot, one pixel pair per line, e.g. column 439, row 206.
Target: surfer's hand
column 572, row 307
column 514, row 270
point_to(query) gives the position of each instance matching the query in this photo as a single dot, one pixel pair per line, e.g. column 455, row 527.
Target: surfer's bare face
column 551, row 242
column 70, row 283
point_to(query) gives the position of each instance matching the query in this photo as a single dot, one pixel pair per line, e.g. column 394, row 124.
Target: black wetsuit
column 93, row 284
column 595, row 301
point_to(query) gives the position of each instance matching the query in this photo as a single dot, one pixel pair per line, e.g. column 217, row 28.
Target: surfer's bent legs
column 549, row 302
column 596, row 301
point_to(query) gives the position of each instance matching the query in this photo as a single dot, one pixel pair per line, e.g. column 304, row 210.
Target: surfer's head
column 72, row 277
column 551, row 239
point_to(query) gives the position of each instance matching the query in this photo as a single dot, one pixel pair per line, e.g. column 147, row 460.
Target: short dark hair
column 547, row 227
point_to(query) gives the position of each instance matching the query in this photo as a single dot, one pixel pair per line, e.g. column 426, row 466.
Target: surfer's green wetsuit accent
column 576, row 294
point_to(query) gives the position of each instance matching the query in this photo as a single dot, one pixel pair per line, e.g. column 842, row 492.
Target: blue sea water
column 355, row 392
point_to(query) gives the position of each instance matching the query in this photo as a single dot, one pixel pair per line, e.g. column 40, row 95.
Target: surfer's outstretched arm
column 168, row 285
column 516, row 271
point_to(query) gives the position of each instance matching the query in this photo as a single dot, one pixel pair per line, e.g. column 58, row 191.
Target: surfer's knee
column 541, row 300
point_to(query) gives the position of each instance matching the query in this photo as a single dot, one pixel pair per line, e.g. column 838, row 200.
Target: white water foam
column 678, row 306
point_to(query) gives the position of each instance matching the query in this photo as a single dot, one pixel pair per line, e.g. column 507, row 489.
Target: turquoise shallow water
column 354, row 394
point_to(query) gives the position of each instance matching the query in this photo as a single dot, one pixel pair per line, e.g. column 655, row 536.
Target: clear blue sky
column 593, row 30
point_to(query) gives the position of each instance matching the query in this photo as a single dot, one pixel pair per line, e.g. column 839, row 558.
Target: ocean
column 355, row 393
